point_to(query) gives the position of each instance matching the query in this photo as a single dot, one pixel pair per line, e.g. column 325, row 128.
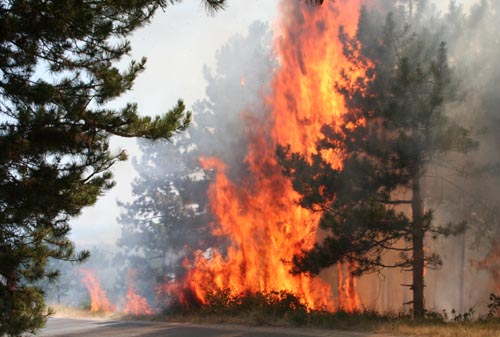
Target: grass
column 345, row 321
column 66, row 311
column 282, row 309
column 490, row 328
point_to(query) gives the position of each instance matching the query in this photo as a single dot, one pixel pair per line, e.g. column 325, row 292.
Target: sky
column 177, row 43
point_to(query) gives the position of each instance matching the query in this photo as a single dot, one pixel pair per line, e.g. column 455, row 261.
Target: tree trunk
column 461, row 279
column 418, row 249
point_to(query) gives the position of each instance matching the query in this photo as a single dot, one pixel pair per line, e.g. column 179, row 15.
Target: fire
column 348, row 297
column 99, row 301
column 311, row 60
column 259, row 214
column 491, row 263
column 136, row 304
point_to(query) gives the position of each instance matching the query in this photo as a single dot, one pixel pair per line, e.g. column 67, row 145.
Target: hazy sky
column 177, row 44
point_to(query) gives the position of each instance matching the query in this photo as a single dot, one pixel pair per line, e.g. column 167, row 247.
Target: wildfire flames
column 491, row 263
column 136, row 304
column 259, row 214
column 99, row 301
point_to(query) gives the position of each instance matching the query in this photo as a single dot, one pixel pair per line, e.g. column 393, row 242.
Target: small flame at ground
column 99, row 301
column 136, row 304
column 491, row 263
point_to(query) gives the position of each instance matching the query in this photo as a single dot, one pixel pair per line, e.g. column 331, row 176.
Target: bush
column 494, row 305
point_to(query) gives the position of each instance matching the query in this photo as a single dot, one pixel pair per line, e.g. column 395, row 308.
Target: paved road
column 58, row 327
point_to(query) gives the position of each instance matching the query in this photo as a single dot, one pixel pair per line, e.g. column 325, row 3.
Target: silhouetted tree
column 57, row 74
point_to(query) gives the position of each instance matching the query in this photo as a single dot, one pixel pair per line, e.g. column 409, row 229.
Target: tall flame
column 348, row 299
column 99, row 301
column 259, row 214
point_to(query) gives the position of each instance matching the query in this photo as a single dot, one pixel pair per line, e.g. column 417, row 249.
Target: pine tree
column 166, row 221
column 58, row 73
column 169, row 218
column 396, row 127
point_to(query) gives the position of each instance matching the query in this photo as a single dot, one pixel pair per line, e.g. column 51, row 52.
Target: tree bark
column 418, row 250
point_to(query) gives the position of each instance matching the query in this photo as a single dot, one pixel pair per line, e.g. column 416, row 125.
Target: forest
column 341, row 170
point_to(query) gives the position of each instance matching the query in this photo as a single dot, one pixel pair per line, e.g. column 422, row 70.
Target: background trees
column 58, row 73
column 396, row 127
column 407, row 55
column 168, row 220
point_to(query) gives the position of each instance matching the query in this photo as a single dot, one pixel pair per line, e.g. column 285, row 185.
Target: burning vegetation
column 290, row 187
column 133, row 304
column 259, row 214
column 98, row 299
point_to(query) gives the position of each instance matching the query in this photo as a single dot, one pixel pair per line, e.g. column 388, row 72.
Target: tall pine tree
column 57, row 73
column 396, row 127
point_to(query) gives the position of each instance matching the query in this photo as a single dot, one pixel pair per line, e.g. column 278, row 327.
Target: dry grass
column 72, row 312
column 390, row 326
column 471, row 329
column 367, row 322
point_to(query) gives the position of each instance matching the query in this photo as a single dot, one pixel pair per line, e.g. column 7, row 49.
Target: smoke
column 177, row 45
column 168, row 217
column 460, row 187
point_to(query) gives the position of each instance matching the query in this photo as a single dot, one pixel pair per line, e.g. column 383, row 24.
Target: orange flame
column 311, row 58
column 136, row 304
column 99, row 301
column 348, row 297
column 491, row 263
column 259, row 214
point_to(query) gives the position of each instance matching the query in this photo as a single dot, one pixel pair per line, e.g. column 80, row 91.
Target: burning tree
column 364, row 118
column 396, row 127
column 167, row 222
column 255, row 209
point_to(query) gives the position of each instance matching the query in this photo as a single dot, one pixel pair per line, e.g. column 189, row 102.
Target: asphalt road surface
column 58, row 327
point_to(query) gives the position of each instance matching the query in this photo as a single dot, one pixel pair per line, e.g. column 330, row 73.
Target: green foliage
column 264, row 307
column 22, row 310
column 284, row 309
column 273, row 303
column 57, row 75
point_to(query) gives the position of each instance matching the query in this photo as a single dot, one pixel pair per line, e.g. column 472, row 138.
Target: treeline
column 421, row 165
